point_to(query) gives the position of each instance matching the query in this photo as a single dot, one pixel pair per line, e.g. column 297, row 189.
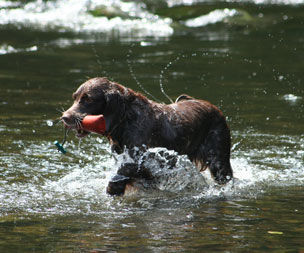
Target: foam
column 73, row 16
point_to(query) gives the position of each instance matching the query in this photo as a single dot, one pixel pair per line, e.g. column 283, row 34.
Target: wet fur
column 189, row 126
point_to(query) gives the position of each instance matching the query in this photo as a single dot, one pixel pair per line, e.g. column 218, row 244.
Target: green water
column 252, row 71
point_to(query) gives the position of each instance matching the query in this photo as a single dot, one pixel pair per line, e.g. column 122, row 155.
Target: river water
column 246, row 57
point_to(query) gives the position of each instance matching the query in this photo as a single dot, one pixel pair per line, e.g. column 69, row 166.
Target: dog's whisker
column 59, row 110
column 57, row 121
column 78, row 124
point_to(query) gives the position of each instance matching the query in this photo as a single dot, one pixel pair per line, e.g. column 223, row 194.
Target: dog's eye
column 85, row 98
column 74, row 96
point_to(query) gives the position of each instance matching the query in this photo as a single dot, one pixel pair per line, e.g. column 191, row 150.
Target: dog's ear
column 114, row 109
column 114, row 102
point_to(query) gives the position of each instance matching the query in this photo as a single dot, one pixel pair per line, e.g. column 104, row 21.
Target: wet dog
column 189, row 126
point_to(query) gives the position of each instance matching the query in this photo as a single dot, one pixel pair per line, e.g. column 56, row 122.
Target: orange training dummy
column 94, row 123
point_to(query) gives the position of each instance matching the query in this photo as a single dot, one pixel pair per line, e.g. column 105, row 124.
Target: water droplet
column 49, row 123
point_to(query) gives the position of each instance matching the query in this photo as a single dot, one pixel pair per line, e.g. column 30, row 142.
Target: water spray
column 132, row 73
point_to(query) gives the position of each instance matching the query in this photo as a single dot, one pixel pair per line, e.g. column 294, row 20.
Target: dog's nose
column 65, row 119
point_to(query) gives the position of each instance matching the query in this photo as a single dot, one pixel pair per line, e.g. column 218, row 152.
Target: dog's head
column 95, row 96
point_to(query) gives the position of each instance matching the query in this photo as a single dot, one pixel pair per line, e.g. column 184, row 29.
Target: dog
column 189, row 126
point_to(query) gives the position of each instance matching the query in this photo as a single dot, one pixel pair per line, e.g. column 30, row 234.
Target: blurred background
column 246, row 57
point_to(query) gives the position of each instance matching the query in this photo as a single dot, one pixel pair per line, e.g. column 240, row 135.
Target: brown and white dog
column 189, row 126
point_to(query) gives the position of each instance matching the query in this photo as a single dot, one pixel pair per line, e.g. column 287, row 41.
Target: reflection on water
column 248, row 64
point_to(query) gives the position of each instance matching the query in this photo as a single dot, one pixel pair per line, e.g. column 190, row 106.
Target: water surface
column 245, row 57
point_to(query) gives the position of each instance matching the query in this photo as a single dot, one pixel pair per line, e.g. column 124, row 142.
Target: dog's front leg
column 129, row 172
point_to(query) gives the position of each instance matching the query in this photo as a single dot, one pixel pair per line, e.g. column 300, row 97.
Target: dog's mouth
column 77, row 127
column 80, row 133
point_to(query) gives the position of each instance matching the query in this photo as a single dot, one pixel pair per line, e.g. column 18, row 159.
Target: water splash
column 38, row 179
column 7, row 49
column 97, row 57
column 168, row 66
column 132, row 73
column 172, row 3
column 211, row 18
column 161, row 76
column 74, row 16
column 291, row 98
column 171, row 172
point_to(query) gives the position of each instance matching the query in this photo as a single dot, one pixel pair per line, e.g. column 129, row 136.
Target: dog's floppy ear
column 114, row 104
column 114, row 109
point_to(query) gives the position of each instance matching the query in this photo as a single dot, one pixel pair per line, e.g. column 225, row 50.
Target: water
column 249, row 64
